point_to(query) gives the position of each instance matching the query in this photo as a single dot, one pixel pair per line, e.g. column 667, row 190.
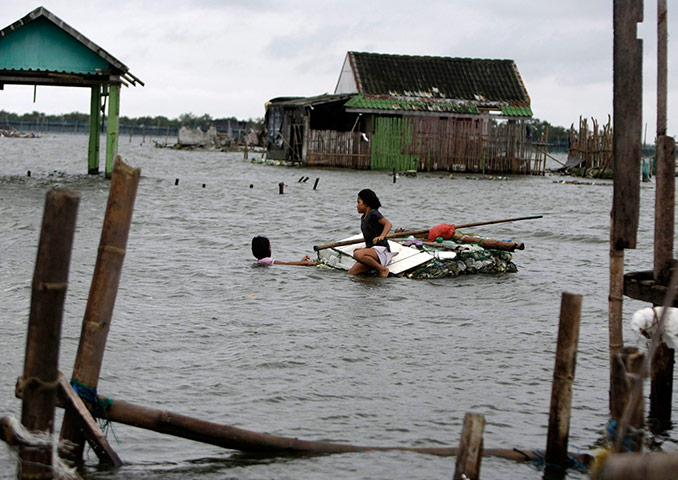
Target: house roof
column 310, row 101
column 40, row 48
column 427, row 83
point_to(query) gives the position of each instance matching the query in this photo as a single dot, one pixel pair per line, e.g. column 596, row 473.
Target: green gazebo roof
column 42, row 49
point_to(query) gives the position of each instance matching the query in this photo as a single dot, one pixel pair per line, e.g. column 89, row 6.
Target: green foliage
column 557, row 135
column 185, row 119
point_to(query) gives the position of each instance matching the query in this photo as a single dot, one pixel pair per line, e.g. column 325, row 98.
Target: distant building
column 409, row 113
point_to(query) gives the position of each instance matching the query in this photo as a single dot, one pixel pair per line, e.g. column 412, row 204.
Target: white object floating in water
column 645, row 321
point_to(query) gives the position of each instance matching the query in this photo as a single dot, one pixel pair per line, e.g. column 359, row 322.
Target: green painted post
column 113, row 129
column 94, row 131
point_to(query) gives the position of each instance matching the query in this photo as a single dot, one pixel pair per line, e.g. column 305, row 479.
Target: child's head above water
column 261, row 247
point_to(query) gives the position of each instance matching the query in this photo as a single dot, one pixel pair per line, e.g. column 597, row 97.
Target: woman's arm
column 387, row 228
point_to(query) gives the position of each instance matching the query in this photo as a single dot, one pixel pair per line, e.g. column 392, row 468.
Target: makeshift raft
column 462, row 255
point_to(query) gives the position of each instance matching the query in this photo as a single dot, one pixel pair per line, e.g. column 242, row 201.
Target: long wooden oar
column 407, row 233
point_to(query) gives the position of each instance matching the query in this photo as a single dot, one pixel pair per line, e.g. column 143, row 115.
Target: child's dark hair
column 261, row 247
column 369, row 198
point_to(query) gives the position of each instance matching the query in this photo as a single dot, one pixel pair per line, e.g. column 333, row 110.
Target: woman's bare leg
column 367, row 257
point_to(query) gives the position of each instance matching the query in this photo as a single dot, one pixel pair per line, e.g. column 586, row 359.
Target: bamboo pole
column 226, row 436
column 467, row 466
column 103, row 290
column 615, row 307
column 407, row 233
column 50, row 281
column 563, row 377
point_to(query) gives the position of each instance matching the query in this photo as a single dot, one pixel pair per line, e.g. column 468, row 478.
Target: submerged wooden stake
column 50, row 280
column 470, row 455
column 104, row 288
column 563, row 377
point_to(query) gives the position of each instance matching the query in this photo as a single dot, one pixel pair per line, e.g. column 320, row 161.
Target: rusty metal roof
column 409, row 77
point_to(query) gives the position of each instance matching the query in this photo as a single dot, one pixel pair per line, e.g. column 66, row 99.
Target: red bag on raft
column 445, row 231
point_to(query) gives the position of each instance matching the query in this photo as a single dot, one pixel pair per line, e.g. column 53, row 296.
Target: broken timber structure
column 410, row 113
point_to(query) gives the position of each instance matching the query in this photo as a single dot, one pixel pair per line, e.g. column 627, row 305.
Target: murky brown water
column 312, row 353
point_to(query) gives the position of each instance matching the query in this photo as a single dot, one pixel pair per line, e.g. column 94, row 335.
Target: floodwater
column 305, row 352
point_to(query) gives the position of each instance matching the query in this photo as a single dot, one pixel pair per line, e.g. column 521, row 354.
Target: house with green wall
column 410, row 112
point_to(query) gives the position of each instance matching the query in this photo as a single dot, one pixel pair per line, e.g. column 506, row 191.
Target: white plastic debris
column 644, row 322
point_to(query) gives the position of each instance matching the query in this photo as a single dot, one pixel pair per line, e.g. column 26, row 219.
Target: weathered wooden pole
column 666, row 162
column 113, row 130
column 628, row 406
column 563, row 377
column 637, row 466
column 315, row 185
column 627, row 121
column 281, row 188
column 467, row 466
column 50, row 281
column 615, row 311
column 103, row 290
column 94, row 130
column 661, row 388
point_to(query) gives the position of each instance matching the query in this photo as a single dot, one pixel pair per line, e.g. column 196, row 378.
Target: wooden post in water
column 50, row 281
column 281, row 188
column 666, row 163
column 94, row 131
column 104, row 288
column 470, row 455
column 637, row 466
column 628, row 406
column 563, row 376
column 661, row 388
column 113, row 130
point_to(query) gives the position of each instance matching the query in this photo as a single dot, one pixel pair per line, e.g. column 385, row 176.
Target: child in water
column 375, row 227
column 261, row 248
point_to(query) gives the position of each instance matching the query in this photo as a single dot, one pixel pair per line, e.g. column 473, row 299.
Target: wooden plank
column 627, row 121
column 406, row 259
column 89, row 427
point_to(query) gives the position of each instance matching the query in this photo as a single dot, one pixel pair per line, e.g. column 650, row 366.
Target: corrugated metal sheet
column 42, row 46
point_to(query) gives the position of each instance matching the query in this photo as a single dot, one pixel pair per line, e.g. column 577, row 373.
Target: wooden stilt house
column 40, row 49
column 411, row 113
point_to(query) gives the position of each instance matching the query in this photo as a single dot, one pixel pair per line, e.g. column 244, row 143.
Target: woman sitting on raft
column 377, row 254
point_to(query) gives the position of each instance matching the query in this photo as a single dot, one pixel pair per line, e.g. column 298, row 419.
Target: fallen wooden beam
column 225, row 436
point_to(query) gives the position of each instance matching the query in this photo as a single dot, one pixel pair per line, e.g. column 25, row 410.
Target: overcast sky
column 227, row 58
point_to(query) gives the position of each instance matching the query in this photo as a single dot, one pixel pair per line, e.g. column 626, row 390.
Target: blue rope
column 539, row 460
column 99, row 406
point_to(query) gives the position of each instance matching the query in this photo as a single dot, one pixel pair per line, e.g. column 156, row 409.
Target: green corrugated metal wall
column 391, row 144
column 41, row 45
